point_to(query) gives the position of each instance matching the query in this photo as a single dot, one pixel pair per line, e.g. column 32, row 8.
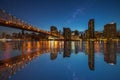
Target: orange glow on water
column 28, row 46
column 97, row 47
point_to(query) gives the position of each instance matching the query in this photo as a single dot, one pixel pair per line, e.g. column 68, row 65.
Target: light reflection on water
column 59, row 60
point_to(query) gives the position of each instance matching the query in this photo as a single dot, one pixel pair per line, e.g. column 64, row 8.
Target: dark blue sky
column 64, row 13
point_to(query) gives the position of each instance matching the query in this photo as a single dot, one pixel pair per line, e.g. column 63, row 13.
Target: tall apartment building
column 91, row 28
column 53, row 30
column 67, row 33
column 110, row 31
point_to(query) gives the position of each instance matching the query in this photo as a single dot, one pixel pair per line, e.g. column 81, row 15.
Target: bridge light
column 6, row 22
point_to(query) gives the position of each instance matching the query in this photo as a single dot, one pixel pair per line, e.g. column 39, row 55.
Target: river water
column 59, row 60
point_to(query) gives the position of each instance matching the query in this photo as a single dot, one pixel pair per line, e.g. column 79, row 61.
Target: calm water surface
column 59, row 60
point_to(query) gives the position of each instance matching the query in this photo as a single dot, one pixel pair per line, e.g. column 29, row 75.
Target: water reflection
column 16, row 55
column 67, row 49
column 110, row 52
column 91, row 55
column 10, row 63
column 54, row 47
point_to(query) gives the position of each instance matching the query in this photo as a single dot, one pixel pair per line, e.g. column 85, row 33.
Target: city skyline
column 73, row 14
column 109, row 33
column 59, row 39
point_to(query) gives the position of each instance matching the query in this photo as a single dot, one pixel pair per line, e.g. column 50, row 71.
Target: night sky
column 64, row 13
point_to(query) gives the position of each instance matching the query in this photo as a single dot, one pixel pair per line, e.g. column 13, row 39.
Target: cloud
column 81, row 10
column 77, row 12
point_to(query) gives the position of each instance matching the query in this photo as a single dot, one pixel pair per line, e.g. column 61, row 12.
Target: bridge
column 8, row 20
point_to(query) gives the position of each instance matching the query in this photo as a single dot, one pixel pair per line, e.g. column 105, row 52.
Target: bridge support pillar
column 23, row 36
column 22, row 32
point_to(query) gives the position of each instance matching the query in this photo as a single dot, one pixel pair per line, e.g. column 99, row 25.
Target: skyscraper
column 53, row 30
column 110, row 31
column 91, row 28
column 67, row 33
